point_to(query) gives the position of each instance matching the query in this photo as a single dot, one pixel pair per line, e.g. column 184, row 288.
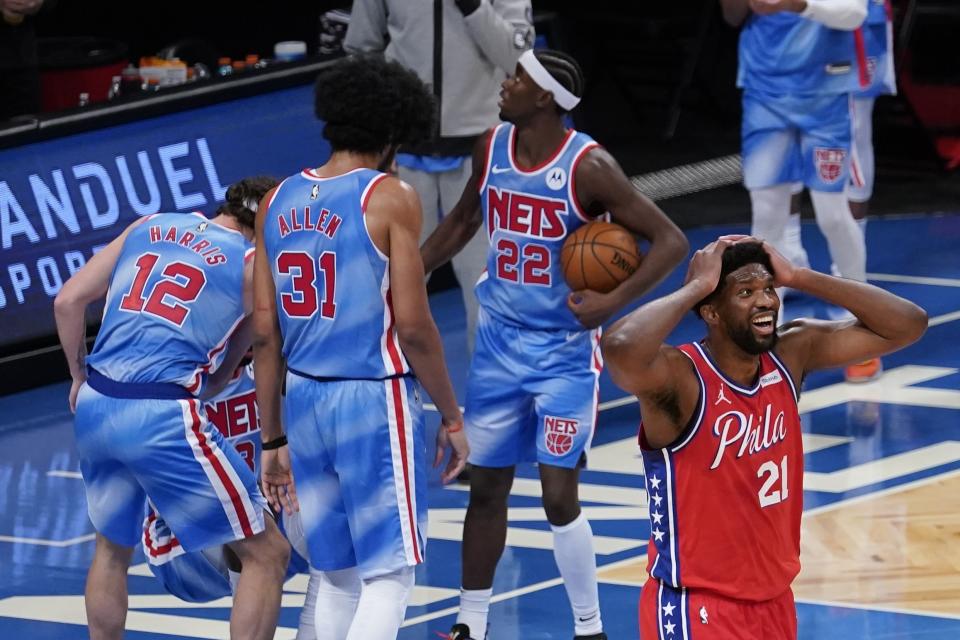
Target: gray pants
column 439, row 192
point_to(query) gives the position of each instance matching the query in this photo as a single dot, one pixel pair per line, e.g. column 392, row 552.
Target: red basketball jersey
column 727, row 496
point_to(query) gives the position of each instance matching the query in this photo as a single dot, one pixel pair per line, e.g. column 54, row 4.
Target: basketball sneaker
column 866, row 371
column 459, row 631
column 596, row 636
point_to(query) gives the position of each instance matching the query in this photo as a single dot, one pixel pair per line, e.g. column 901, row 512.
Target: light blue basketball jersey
column 528, row 215
column 175, row 297
column 333, row 284
column 784, row 54
column 876, row 40
column 234, row 412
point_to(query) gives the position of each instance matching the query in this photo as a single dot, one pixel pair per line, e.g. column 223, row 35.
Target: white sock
column 793, row 244
column 847, row 247
column 862, row 223
column 234, row 579
column 474, row 608
column 383, row 603
column 330, row 603
column 770, row 212
column 573, row 550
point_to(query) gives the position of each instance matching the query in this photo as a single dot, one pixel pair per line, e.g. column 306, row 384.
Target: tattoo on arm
column 82, row 355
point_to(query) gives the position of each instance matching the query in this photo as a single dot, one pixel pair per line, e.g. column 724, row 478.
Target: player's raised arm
column 640, row 363
column 459, row 226
column 602, row 186
column 70, row 305
column 884, row 322
column 395, row 205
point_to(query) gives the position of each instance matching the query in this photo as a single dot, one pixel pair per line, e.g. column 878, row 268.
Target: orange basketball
column 599, row 256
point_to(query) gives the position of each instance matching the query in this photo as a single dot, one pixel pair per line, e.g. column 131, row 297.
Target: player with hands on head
column 720, row 434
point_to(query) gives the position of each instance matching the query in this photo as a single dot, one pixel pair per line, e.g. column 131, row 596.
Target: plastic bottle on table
column 224, row 67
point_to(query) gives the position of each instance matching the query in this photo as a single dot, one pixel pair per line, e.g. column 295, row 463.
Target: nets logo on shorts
column 829, row 163
column 559, row 434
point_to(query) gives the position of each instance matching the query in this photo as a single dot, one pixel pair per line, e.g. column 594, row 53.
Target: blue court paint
column 36, row 437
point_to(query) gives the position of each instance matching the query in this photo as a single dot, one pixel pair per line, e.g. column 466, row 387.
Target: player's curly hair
column 243, row 197
column 734, row 257
column 565, row 69
column 369, row 103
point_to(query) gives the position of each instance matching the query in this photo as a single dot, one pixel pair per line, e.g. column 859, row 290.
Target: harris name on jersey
column 191, row 239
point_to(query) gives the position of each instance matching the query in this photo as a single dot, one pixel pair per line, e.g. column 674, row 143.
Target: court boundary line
column 879, row 607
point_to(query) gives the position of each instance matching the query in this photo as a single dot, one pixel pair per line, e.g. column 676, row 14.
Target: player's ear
column 544, row 98
column 708, row 313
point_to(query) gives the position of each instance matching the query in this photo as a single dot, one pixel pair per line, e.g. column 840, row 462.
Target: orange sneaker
column 865, row 371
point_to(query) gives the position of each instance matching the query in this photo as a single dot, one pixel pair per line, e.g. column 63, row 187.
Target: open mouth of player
column 764, row 323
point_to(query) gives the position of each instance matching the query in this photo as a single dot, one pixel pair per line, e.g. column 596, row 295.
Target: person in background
column 874, row 39
column 19, row 65
column 463, row 49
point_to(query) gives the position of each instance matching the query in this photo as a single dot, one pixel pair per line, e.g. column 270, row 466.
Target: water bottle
column 115, row 88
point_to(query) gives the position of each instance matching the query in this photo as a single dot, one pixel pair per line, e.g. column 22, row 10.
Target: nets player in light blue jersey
column 801, row 63
column 214, row 572
column 175, row 325
column 341, row 303
column 797, row 67
column 533, row 385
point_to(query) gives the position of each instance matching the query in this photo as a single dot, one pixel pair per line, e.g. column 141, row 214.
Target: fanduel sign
column 61, row 200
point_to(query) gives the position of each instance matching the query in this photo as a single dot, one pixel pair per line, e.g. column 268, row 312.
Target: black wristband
column 467, row 6
column 276, row 443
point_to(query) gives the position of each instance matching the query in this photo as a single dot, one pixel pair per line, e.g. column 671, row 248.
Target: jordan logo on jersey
column 722, row 397
column 525, row 214
column 734, row 427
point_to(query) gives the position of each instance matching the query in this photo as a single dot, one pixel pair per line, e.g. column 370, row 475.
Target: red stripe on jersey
column 487, row 156
column 578, row 208
column 220, row 471
column 369, row 191
column 553, row 156
column 402, row 436
column 861, row 49
column 392, row 348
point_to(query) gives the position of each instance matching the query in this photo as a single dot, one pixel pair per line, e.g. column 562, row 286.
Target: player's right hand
column 456, row 441
column 277, row 480
column 706, row 264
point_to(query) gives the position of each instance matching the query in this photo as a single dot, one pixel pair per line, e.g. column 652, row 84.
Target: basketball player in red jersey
column 720, row 434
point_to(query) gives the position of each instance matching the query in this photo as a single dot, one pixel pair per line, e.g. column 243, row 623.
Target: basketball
column 599, row 256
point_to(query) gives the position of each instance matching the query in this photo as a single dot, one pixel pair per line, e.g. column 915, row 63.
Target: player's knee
column 561, row 508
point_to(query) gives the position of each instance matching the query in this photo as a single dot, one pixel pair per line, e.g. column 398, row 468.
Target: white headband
column 540, row 75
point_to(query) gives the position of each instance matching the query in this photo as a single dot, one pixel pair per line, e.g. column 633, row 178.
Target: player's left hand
column 592, row 308
column 456, row 441
column 277, row 480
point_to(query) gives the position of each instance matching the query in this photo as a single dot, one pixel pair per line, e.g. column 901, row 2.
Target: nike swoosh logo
column 572, row 335
column 587, row 618
column 496, row 169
